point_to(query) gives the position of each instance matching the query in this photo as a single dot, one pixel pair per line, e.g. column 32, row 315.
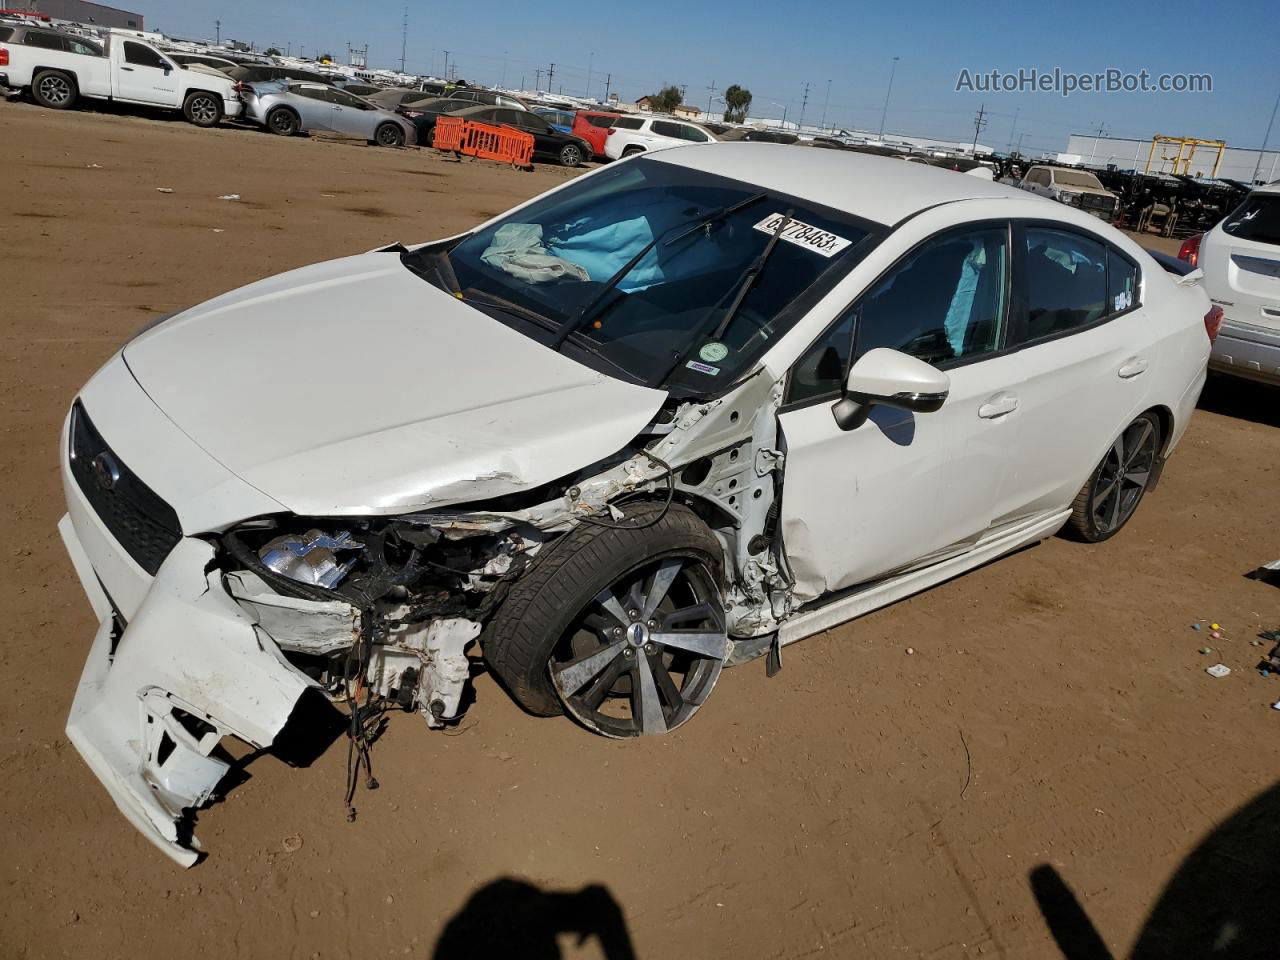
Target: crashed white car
column 672, row 415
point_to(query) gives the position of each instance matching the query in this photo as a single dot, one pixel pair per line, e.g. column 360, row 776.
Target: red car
column 593, row 126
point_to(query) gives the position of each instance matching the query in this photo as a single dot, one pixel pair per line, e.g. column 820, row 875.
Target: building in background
column 81, row 11
column 1238, row 163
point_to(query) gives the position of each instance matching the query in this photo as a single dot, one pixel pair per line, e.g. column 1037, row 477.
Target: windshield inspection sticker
column 702, row 368
column 713, row 352
column 804, row 235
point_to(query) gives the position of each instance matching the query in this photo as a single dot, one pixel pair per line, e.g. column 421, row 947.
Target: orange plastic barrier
column 484, row 140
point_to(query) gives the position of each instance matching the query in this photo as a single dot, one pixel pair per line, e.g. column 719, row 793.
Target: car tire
column 571, row 155
column 389, row 135
column 202, row 109
column 54, row 89
column 526, row 639
column 1111, row 495
column 631, row 151
column 283, row 122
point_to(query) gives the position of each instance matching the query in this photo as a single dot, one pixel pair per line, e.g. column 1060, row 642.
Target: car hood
column 353, row 386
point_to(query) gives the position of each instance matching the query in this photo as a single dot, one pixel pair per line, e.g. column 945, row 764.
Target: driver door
column 144, row 76
column 349, row 116
column 904, row 489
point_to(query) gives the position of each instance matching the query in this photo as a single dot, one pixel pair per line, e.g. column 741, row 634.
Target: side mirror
column 889, row 378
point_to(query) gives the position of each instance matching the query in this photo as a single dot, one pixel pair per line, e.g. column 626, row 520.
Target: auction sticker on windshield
column 804, row 235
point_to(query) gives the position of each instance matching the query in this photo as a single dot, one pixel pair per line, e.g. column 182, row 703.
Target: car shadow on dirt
column 1221, row 901
column 511, row 919
column 1242, row 399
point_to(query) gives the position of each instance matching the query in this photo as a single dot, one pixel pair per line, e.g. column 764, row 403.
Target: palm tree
column 737, row 101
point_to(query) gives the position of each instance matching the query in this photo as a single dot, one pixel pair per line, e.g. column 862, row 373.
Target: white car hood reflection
column 354, row 387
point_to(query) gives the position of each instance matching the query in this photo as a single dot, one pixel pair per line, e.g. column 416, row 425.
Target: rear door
column 143, row 75
column 1241, row 263
column 1086, row 348
column 312, row 103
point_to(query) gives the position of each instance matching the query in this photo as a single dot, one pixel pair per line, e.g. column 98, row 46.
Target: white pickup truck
column 58, row 68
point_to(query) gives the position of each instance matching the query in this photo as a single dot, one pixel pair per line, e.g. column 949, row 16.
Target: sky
column 843, row 51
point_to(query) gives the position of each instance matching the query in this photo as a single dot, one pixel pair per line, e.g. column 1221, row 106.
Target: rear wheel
column 202, row 109
column 1112, row 493
column 570, row 155
column 53, row 89
column 283, row 121
column 631, row 151
column 389, row 135
column 621, row 628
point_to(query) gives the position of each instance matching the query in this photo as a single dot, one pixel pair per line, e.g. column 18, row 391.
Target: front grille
column 141, row 522
column 1094, row 201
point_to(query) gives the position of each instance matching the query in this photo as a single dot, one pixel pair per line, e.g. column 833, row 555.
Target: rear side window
column 6, row 34
column 693, row 135
column 143, row 56
column 1122, row 282
column 45, row 41
column 599, row 121
column 665, row 128
column 82, row 47
column 1066, row 281
column 628, row 123
column 1257, row 219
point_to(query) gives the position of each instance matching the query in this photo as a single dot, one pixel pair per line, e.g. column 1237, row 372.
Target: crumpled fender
column 191, row 648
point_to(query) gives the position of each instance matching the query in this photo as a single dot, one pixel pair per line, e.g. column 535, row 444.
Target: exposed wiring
column 622, row 524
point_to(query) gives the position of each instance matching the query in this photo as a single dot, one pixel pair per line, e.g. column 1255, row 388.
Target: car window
column 1122, row 282
column 946, row 301
column 45, row 41
column 604, row 122
column 86, row 49
column 692, row 134
column 341, row 98
column 1257, row 219
column 628, row 123
column 143, row 56
column 822, row 370
column 311, row 93
column 665, row 128
column 531, row 122
column 6, row 34
column 1066, row 281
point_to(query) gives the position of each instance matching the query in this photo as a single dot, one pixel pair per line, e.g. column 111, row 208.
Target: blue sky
column 774, row 49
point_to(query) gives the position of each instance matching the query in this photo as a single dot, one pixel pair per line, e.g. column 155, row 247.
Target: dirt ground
column 1052, row 738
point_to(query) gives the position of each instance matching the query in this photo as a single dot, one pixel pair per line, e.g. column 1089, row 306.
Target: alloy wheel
column 1123, row 476
column 203, row 110
column 55, row 89
column 647, row 651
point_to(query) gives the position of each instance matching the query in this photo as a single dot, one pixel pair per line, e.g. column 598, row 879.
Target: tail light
column 410, row 114
column 609, row 132
column 243, row 89
column 1213, row 323
column 1190, row 252
column 4, row 56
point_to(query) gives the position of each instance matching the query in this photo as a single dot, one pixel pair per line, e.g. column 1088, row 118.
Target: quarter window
column 693, row 134
column 1122, row 282
column 628, row 123
column 143, row 56
column 1066, row 281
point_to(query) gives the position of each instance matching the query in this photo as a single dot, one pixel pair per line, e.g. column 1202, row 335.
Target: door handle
column 1132, row 367
column 127, row 69
column 1000, row 405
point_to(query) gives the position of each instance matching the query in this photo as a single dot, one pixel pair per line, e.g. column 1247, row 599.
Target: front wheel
column 53, row 89
column 389, row 135
column 570, row 155
column 622, row 628
column 202, row 109
column 283, row 122
column 1117, row 485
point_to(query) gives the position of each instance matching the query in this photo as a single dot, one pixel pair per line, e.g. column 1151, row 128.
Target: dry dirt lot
column 1054, row 734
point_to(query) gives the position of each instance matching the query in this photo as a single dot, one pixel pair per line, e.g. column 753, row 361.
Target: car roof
column 1269, row 188
column 882, row 189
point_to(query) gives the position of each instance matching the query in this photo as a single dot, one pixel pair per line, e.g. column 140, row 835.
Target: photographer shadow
column 515, row 920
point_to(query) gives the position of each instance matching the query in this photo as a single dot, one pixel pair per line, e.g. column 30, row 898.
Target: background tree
column 737, row 101
column 666, row 99
column 273, row 52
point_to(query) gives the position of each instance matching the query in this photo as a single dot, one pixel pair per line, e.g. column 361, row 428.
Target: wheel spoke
column 1118, row 449
column 646, row 691
column 1138, row 477
column 575, row 675
column 594, row 694
column 607, row 600
column 694, row 614
column 1136, row 448
column 662, row 581
column 1113, row 506
column 703, row 644
column 666, row 686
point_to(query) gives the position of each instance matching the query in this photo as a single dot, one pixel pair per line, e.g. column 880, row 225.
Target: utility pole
column 1009, row 146
column 979, row 122
column 607, row 81
column 1265, row 137
column 825, row 101
column 217, row 26
column 885, row 112
column 550, row 76
column 711, row 92
column 591, row 60
column 1102, row 129
column 503, row 84
column 683, row 88
column 537, row 80
column 404, row 38
column 803, row 102
column 446, row 66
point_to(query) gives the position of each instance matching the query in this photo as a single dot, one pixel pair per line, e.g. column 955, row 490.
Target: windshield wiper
column 593, row 306
column 750, row 276
column 506, row 306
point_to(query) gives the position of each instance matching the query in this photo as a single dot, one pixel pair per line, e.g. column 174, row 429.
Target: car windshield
column 1257, row 219
column 624, row 258
column 1076, row 178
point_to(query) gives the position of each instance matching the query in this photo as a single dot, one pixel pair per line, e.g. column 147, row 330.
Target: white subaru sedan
column 670, row 416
